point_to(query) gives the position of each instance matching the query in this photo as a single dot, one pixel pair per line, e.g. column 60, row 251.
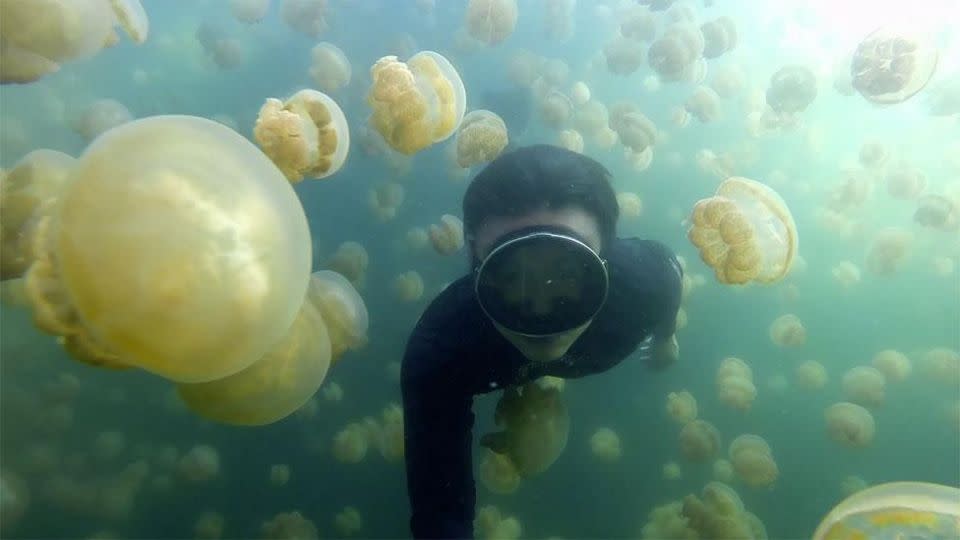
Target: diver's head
column 537, row 220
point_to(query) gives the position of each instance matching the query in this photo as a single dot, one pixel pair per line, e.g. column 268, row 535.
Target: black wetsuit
column 456, row 353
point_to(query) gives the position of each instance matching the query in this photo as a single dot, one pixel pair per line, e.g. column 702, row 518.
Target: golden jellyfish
column 811, row 375
column 938, row 212
column 638, row 23
column 719, row 36
column 279, row 475
column 481, row 138
column 673, row 54
column 680, row 117
column 350, row 260
column 329, row 67
column 745, row 232
column 498, row 473
column 289, row 525
column 847, row 274
column 696, row 72
column 308, row 17
column 205, row 205
column 792, row 89
column 753, row 461
column 723, row 471
column 864, row 385
column 276, row 385
column 631, row 206
column 941, row 365
column 351, row 443
column 623, row 55
column 729, row 81
column 592, row 118
column 535, row 424
column 200, row 464
column 26, row 193
column 348, row 522
column 490, row 525
column 523, row 68
column 634, row 129
column 491, row 21
column 417, row 238
column 681, row 407
column 850, row 425
column 249, row 11
column 108, row 445
column 558, row 19
column 606, row 138
column 888, row 251
column 718, row 513
column 891, row 64
column 389, row 438
column 699, row 441
column 873, row 155
column 893, row 364
column 788, row 331
column 225, row 51
column 704, row 104
column 668, row 521
column 415, row 103
column 639, row 161
column 571, row 140
column 385, row 199
column 332, row 391
column 209, row 526
column 447, row 236
column 342, row 309
column 100, row 116
column 580, row 93
column 672, row 471
column 408, row 286
column 905, row 183
column 605, row 445
column 555, row 109
column 305, row 136
column 735, row 386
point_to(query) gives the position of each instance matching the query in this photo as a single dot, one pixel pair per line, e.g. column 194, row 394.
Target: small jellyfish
column 580, row 93
column 351, row 443
column 905, row 183
column 788, row 331
column 342, row 309
column 890, row 65
column 348, row 522
column 638, row 23
column 670, row 56
column 555, row 109
column 498, row 473
column 850, row 425
column 846, row 273
column 329, row 67
column 631, row 206
column 634, row 129
column 792, row 89
column 893, row 364
column 481, row 138
column 491, row 21
column 719, row 36
column 811, row 375
column 623, row 55
column 753, row 461
column 385, row 199
column 937, row 212
column 447, row 236
column 308, row 17
column 681, row 407
column 249, row 11
column 723, row 471
column 571, row 140
column 100, row 116
column 941, row 365
column 408, row 286
column 888, row 251
column 350, row 260
column 704, row 104
column 864, row 385
column 699, row 441
column 874, row 155
column 279, row 475
column 200, row 464
column 605, row 445
column 729, row 81
column 672, row 471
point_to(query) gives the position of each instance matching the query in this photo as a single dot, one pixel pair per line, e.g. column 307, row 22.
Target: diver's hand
column 663, row 353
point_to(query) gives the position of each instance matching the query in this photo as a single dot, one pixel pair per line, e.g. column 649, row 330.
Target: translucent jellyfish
column 329, row 67
column 699, row 441
column 490, row 525
column 937, row 212
column 351, row 443
column 498, row 473
column 850, row 425
column 276, row 385
column 734, row 382
column 915, row 510
column 523, row 68
column 249, row 11
column 888, row 251
column 592, row 118
column 385, row 199
column 672, row 471
column 342, row 309
column 846, row 273
column 108, row 445
column 348, row 522
column 631, row 206
column 205, row 206
column 481, row 138
column 308, row 17
column 864, row 385
column 704, row 104
column 27, row 191
column 447, row 236
column 852, row 484
column 792, row 89
column 289, row 525
column 638, row 23
column 491, row 21
column 891, row 64
column 408, row 286
column 719, row 36
column 729, row 81
column 681, row 407
column 100, row 116
column 874, row 155
column 723, row 470
column 417, row 103
column 580, row 93
column 679, row 117
column 571, row 140
column 753, row 461
column 200, row 464
column 670, row 55
column 633, row 128
column 535, row 425
column 390, row 441
column 15, row 500
column 558, row 19
column 745, row 232
column 681, row 319
column 623, row 55
column 788, row 331
column 811, row 375
column 332, row 392
column 905, row 183
column 417, row 238
column 225, row 51
column 605, row 445
column 350, row 260
column 305, row 136
column 941, row 365
column 209, row 526
column 555, row 109
column 893, row 364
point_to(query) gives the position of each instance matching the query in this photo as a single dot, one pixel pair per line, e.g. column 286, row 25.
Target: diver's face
column 539, row 349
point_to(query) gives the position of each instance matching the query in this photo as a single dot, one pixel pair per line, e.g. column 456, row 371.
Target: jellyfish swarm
column 891, row 65
column 745, row 232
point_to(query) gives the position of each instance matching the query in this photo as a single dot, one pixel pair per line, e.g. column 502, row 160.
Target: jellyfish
column 580, row 93
column 249, row 11
column 605, row 445
column 591, row 118
column 753, row 461
column 535, row 425
column 209, row 526
column 893, row 364
column 729, row 81
column 864, row 385
column 631, row 206
column 342, row 309
column 792, row 89
column 672, row 471
column 197, row 251
column 417, row 238
column 289, row 525
column 279, row 475
column 571, row 140
column 704, row 104
column 332, row 392
column 348, row 522
column 811, row 375
column 905, row 183
column 850, row 425
column 305, row 136
column 623, row 55
column 100, row 116
column 408, row 286
column 200, row 464
column 329, row 67
column 27, row 192
column 937, row 212
column 447, row 236
column 351, row 443
column 670, row 55
column 638, row 23
column 225, row 51
column 719, row 35
column 385, row 199
column 941, row 365
column 498, row 473
column 874, row 155
column 491, row 21
column 745, row 232
column 788, row 331
column 390, row 441
column 681, row 407
column 523, row 68
column 350, row 260
column 699, row 441
column 481, row 138
column 891, row 65
column 723, row 471
column 415, row 103
column 308, row 17
column 633, row 128
column 558, row 19
column 888, row 251
column 555, row 109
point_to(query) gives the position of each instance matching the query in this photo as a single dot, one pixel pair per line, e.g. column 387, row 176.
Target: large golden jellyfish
column 916, row 510
column 26, row 193
column 40, row 35
column 176, row 281
column 481, row 138
column 753, row 461
column 305, row 136
column 891, row 65
column 415, row 103
column 535, row 425
column 329, row 67
column 850, row 425
column 491, row 21
column 745, row 232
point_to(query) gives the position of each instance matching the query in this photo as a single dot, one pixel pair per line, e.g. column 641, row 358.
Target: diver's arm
column 663, row 347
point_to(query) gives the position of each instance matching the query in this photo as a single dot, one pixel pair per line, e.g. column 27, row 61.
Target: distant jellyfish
column 343, row 310
column 348, row 522
column 100, row 116
column 555, row 109
column 350, row 444
column 850, row 425
column 558, row 19
column 408, row 286
column 308, row 17
column 623, row 55
column 723, row 471
column 941, row 365
column 788, row 331
column 209, row 526
column 288, row 525
column 417, row 238
column 729, row 81
column 811, row 375
column 200, row 464
column 699, row 441
column 847, row 274
column 330, row 68
column 249, row 11
column 753, row 461
column 905, row 183
column 631, row 206
column 874, row 155
column 681, row 407
column 571, row 140
column 634, row 129
column 893, row 364
column 638, row 23
column 672, row 471
column 279, row 475
column 719, row 35
column 734, row 383
column 385, row 200
column 605, row 445
column 350, row 260
column 888, row 251
column 864, row 385
column 890, row 65
column 580, row 93
column 670, row 55
column 498, row 474
column 792, row 89
column 704, row 104
column 491, row 21
column 481, row 138
column 937, row 212
column 447, row 236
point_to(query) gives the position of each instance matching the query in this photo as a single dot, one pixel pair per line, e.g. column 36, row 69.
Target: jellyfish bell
column 491, row 21
column 342, row 309
column 892, row 64
column 937, row 212
column 481, row 138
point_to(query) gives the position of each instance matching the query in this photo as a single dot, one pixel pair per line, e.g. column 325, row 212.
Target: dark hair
column 528, row 178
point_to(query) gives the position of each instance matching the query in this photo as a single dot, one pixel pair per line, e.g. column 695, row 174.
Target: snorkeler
column 551, row 291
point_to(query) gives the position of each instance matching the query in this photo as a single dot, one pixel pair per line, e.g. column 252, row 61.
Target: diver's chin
column 543, row 349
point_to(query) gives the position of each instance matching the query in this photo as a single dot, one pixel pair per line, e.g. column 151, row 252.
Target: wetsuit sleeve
column 438, row 423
